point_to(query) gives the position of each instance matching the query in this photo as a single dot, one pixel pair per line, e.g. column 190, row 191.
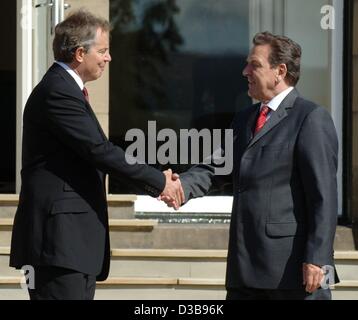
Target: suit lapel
column 69, row 79
column 251, row 122
column 276, row 117
column 93, row 115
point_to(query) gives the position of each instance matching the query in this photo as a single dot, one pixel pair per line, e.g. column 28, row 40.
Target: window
column 177, row 63
column 180, row 63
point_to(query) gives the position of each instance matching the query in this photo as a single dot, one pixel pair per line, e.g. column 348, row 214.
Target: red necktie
column 85, row 93
column 261, row 118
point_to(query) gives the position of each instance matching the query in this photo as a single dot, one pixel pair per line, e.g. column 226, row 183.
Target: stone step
column 115, row 226
column 123, row 224
column 170, row 253
column 166, row 235
column 135, row 288
column 136, row 233
column 175, row 236
column 347, row 265
column 152, row 263
column 199, row 263
column 182, row 263
column 345, row 290
column 200, row 236
column 168, row 263
column 161, row 288
column 119, row 206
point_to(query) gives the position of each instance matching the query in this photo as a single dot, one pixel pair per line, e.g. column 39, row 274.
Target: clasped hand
column 173, row 194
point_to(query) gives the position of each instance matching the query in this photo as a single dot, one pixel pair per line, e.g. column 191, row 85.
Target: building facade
column 179, row 63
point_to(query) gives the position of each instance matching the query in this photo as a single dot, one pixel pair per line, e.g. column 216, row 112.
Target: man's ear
column 282, row 71
column 79, row 54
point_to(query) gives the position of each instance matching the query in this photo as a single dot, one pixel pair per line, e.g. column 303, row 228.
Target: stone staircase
column 159, row 261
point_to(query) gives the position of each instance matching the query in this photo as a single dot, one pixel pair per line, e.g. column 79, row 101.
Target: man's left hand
column 312, row 276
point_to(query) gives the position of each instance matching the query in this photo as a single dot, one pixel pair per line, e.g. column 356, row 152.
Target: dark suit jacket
column 285, row 194
column 62, row 217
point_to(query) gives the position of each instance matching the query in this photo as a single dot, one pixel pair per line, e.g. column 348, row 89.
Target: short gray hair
column 283, row 50
column 77, row 30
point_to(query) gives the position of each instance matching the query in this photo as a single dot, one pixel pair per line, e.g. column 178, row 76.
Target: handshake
column 173, row 194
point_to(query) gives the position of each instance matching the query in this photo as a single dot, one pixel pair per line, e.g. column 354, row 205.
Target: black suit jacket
column 285, row 194
column 62, row 217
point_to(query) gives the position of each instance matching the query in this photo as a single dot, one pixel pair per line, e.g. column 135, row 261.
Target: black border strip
column 347, row 111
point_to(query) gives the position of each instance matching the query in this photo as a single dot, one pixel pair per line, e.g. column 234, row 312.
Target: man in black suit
column 284, row 183
column 61, row 225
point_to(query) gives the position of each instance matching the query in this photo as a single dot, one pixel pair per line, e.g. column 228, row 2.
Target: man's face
column 95, row 60
column 260, row 75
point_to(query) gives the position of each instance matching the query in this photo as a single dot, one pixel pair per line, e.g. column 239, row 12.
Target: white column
column 336, row 45
column 23, row 72
column 266, row 15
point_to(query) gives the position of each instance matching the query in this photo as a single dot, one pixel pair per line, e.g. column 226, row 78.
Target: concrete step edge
column 189, row 253
column 138, row 281
column 157, row 253
column 346, row 255
column 9, row 199
column 201, row 282
column 112, row 199
column 113, row 223
column 132, row 223
column 347, row 284
column 109, row 281
column 4, row 250
column 170, row 253
column 10, row 280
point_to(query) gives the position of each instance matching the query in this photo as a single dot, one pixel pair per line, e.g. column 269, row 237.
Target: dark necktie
column 261, row 118
column 85, row 93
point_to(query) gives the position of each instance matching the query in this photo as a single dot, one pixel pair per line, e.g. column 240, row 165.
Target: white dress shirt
column 73, row 74
column 274, row 103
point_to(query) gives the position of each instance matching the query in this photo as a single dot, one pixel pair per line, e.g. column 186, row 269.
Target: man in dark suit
column 61, row 225
column 284, row 183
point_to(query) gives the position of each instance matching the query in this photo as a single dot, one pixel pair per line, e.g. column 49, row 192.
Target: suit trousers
column 277, row 294
column 55, row 283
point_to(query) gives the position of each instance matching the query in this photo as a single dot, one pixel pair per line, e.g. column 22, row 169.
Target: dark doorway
column 8, row 97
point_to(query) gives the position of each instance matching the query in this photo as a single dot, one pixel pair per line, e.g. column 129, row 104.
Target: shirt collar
column 73, row 74
column 275, row 102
